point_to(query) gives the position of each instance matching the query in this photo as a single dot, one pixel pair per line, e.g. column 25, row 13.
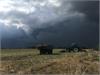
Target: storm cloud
column 26, row 23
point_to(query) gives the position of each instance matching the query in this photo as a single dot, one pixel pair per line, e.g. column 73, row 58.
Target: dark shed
column 45, row 49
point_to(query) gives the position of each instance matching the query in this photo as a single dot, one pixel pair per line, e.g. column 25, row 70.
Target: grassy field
column 28, row 61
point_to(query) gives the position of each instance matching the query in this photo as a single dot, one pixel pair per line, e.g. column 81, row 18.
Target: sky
column 26, row 23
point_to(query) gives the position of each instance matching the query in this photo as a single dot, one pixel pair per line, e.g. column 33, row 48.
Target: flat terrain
column 28, row 61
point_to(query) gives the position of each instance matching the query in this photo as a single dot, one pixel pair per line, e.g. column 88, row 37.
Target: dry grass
column 81, row 63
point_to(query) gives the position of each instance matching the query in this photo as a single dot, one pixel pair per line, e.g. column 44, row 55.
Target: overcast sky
column 25, row 23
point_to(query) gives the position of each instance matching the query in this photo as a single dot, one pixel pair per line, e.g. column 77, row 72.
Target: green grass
column 21, row 52
column 17, row 52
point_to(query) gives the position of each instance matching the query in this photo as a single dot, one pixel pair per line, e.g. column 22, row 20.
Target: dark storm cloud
column 60, row 25
column 85, row 32
column 91, row 27
column 90, row 8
